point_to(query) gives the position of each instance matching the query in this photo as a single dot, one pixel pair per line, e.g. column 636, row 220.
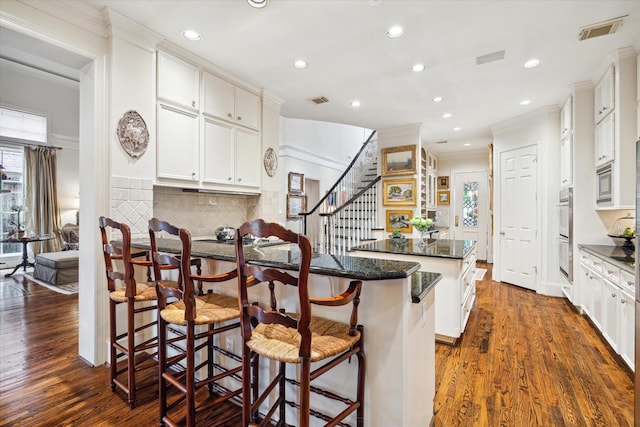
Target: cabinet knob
column 229, row 179
column 230, row 115
column 239, row 117
column 193, row 174
column 193, row 104
column 613, row 295
column 239, row 179
column 623, row 301
column 605, row 108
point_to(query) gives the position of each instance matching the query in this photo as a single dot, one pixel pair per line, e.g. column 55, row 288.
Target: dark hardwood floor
column 524, row 360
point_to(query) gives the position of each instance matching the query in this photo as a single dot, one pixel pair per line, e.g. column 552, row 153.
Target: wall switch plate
column 229, row 344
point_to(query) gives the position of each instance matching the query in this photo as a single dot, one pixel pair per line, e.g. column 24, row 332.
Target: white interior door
column 518, row 217
column 471, row 208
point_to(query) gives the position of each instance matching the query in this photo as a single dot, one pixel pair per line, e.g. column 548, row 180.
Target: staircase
column 348, row 214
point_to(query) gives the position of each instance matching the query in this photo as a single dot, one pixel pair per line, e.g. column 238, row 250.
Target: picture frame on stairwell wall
column 399, row 192
column 399, row 220
column 443, row 198
column 398, row 160
column 295, row 204
column 296, row 183
column 443, row 183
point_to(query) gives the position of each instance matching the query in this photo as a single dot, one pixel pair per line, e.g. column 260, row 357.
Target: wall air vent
column 319, row 100
column 441, row 142
column 600, row 29
column 490, row 57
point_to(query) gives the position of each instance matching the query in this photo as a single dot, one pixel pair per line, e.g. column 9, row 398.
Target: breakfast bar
column 454, row 259
column 396, row 309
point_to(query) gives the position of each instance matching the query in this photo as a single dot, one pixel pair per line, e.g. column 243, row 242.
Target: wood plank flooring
column 529, row 360
column 525, row 360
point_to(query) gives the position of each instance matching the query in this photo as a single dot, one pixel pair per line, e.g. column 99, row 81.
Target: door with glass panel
column 471, row 208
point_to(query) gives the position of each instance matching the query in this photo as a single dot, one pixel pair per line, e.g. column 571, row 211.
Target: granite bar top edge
column 422, row 283
column 357, row 268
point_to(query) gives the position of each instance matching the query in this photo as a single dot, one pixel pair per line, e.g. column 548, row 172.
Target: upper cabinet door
column 218, row 97
column 604, row 98
column 566, row 118
column 247, row 109
column 178, row 81
column 231, row 103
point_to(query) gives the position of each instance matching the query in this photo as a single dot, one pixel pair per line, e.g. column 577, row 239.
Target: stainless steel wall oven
column 565, row 233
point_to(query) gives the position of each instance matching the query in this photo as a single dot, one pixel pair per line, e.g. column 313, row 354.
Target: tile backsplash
column 202, row 213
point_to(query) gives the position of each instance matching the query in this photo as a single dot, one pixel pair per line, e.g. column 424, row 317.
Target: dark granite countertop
column 421, row 284
column 440, row 248
column 616, row 255
column 287, row 257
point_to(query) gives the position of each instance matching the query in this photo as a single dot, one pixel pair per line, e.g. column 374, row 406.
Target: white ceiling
column 350, row 56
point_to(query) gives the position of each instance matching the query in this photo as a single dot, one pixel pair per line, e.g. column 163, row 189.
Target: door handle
column 457, row 220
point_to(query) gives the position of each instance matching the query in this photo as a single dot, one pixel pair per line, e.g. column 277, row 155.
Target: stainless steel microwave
column 604, row 184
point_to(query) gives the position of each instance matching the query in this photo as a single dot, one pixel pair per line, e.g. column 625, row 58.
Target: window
column 11, row 197
column 16, row 128
column 18, row 125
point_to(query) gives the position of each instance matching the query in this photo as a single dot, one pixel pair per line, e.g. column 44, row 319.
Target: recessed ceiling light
column 355, row 103
column 467, row 144
column 300, row 63
column 258, row 4
column 446, row 115
column 525, row 102
column 395, row 31
column 191, row 35
column 438, row 99
column 418, row 67
column 532, row 63
column 456, row 129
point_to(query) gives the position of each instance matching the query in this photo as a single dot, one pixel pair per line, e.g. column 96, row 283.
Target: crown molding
column 124, row 28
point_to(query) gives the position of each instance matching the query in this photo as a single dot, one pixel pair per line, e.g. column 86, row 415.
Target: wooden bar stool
column 294, row 337
column 156, row 227
column 139, row 356
column 182, row 310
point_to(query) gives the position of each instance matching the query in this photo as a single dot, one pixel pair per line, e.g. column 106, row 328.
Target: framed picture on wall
column 295, row 205
column 296, row 183
column 399, row 192
column 399, row 160
column 443, row 183
column 399, row 220
column 443, row 197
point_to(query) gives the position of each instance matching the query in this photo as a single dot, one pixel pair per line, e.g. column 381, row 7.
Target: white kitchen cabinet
column 178, row 81
column 177, row 144
column 231, row 156
column 605, row 141
column 610, row 302
column 566, row 118
column 566, row 161
column 607, row 298
column 604, row 95
column 626, row 321
column 432, row 189
column 225, row 101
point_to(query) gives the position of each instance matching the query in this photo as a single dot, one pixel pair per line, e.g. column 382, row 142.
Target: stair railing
column 359, row 174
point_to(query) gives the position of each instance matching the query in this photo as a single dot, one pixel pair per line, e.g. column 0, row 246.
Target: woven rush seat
column 280, row 343
column 57, row 268
column 144, row 292
column 210, row 308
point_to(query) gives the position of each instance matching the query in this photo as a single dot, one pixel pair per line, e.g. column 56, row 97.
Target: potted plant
column 396, row 234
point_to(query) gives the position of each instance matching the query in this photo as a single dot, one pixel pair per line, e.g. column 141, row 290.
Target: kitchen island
column 454, row 259
column 396, row 309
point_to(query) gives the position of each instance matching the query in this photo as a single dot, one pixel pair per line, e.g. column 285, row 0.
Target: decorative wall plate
column 133, row 134
column 270, row 161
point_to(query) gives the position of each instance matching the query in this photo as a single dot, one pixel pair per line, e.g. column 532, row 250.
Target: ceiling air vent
column 441, row 142
column 491, row 57
column 319, row 100
column 600, row 29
